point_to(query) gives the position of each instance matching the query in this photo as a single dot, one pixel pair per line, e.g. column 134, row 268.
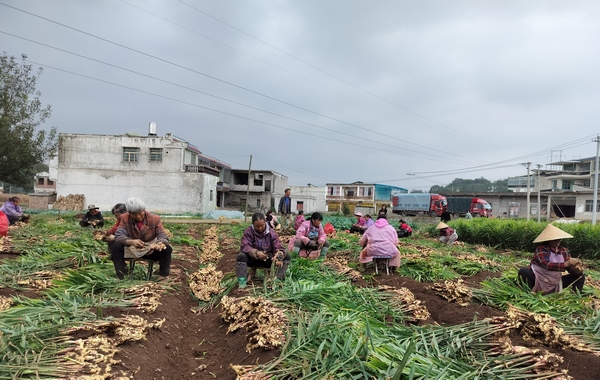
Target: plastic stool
column 387, row 263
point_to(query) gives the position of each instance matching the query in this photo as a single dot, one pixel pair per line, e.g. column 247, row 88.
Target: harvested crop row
column 210, row 247
column 263, row 321
column 340, row 266
column 454, row 291
column 406, row 301
column 542, row 328
column 206, row 282
column 94, row 355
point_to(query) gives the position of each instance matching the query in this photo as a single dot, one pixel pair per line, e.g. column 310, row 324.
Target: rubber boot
column 241, row 282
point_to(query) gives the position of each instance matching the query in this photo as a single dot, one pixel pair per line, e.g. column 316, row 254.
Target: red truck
column 478, row 207
column 422, row 203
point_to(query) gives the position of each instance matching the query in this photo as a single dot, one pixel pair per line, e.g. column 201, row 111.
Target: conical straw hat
column 551, row 233
column 441, row 225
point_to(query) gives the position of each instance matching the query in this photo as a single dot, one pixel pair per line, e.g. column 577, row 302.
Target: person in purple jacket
column 13, row 211
column 260, row 248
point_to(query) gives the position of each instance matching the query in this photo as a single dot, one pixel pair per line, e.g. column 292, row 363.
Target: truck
column 478, row 207
column 416, row 204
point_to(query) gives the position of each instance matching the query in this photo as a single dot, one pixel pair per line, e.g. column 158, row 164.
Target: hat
column 92, row 207
column 441, row 225
column 358, row 213
column 551, row 233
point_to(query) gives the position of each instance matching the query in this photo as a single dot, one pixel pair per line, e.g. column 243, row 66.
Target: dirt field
column 194, row 345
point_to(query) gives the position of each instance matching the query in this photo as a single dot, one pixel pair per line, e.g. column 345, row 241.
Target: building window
column 211, row 195
column 131, row 154
column 350, row 193
column 554, row 184
column 156, row 154
column 567, row 185
column 258, row 203
column 50, row 182
column 589, row 206
column 40, row 181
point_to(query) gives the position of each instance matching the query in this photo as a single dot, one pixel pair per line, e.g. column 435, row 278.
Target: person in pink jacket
column 310, row 240
column 381, row 240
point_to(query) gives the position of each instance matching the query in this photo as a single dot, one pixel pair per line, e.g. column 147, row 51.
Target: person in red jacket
column 138, row 235
column 3, row 224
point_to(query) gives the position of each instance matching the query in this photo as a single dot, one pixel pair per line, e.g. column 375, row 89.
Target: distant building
column 567, row 185
column 309, row 198
column 262, row 191
column 360, row 196
column 43, row 184
column 169, row 174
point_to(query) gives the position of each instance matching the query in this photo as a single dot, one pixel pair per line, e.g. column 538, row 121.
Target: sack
column 132, row 252
column 3, row 224
column 329, row 228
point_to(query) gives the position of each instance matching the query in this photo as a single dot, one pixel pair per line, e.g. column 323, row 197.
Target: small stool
column 387, row 263
column 150, row 266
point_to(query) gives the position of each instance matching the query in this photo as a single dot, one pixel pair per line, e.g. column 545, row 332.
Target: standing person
column 550, row 260
column 381, row 240
column 285, row 208
column 260, row 246
column 360, row 221
column 310, row 240
column 447, row 235
column 13, row 211
column 93, row 218
column 299, row 219
column 382, row 210
column 138, row 231
column 445, row 217
column 468, row 216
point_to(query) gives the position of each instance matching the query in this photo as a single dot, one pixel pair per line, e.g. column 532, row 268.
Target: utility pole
column 595, row 202
column 248, row 190
column 539, row 207
column 409, row 174
column 528, row 189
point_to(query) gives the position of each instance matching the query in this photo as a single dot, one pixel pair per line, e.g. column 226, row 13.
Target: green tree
column 23, row 144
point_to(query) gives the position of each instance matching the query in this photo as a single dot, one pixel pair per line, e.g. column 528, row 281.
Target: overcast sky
column 326, row 91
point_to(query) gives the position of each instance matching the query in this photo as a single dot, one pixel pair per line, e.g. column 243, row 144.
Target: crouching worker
column 447, row 235
column 380, row 241
column 93, row 217
column 140, row 234
column 260, row 248
column 13, row 211
column 310, row 240
column 544, row 273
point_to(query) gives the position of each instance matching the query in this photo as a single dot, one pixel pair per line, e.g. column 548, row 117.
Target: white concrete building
column 309, row 198
column 167, row 173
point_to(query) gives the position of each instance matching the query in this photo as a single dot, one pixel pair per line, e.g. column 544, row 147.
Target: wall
column 40, row 201
column 93, row 165
column 313, row 198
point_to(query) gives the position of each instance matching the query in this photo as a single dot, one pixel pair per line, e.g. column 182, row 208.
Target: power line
column 279, row 67
column 445, row 128
column 378, row 149
column 218, row 97
column 222, row 80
